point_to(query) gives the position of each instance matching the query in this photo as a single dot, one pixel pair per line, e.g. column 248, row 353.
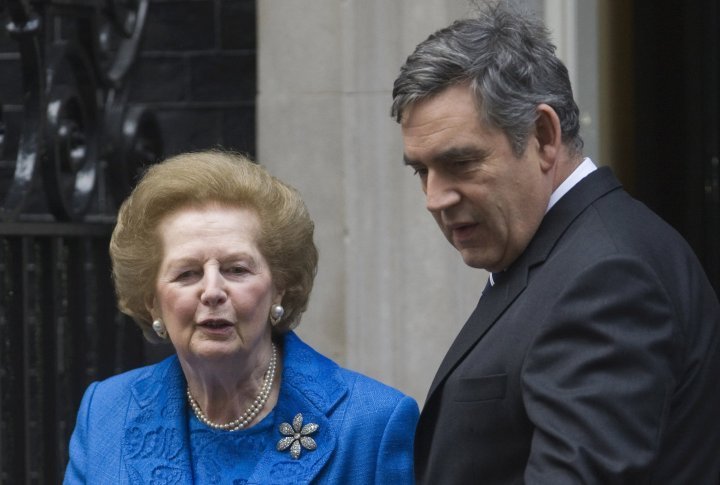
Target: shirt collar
column 583, row 170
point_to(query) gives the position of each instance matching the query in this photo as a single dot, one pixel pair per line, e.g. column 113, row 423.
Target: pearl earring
column 159, row 328
column 276, row 313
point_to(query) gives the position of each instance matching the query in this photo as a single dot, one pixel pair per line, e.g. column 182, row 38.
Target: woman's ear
column 548, row 134
column 151, row 307
column 279, row 294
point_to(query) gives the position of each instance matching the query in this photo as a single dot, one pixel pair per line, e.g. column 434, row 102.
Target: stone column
column 391, row 293
column 300, row 138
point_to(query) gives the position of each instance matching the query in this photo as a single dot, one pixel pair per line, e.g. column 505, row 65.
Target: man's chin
column 473, row 258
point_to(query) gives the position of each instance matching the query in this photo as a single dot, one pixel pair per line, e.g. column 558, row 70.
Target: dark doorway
column 677, row 111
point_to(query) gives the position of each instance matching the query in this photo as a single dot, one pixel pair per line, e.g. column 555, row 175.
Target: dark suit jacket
column 595, row 359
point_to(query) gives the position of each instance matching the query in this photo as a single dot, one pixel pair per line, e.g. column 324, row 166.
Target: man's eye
column 460, row 164
column 421, row 171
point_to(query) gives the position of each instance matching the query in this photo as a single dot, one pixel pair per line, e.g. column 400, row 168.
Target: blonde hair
column 195, row 179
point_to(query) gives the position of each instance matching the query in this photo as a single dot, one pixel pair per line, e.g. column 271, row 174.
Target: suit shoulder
column 630, row 222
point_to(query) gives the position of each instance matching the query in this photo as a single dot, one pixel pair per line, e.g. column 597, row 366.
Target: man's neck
column 580, row 171
column 566, row 165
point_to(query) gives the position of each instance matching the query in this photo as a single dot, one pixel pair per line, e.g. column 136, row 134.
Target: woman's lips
column 215, row 326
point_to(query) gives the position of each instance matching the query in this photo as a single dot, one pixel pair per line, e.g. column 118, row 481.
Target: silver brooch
column 297, row 436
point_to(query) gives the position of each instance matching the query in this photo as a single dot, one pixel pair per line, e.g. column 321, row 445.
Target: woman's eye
column 186, row 275
column 237, row 270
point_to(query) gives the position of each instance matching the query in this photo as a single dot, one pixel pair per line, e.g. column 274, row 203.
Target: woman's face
column 214, row 288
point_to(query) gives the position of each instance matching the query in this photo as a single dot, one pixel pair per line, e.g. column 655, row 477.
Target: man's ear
column 548, row 135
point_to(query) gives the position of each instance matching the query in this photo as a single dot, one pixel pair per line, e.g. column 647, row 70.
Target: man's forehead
column 451, row 99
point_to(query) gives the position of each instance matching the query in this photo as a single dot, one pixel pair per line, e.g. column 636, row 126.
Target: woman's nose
column 213, row 293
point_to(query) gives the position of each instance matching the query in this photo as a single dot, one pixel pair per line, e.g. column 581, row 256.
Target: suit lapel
column 498, row 298
column 492, row 304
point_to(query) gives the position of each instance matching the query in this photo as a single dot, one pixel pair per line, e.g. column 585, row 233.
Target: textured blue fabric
column 222, row 457
column 133, row 428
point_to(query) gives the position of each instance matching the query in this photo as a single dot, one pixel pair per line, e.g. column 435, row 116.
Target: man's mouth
column 461, row 232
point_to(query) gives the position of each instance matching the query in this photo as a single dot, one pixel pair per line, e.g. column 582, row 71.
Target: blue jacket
column 132, row 428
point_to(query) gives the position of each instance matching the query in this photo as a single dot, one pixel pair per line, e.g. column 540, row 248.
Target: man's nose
column 440, row 193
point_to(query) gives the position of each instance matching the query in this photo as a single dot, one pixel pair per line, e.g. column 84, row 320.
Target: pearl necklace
column 250, row 413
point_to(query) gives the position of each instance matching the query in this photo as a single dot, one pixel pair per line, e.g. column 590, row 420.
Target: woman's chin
column 211, row 349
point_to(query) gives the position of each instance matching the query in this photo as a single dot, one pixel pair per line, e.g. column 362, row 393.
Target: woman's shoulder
column 368, row 397
column 363, row 384
column 120, row 383
column 327, row 373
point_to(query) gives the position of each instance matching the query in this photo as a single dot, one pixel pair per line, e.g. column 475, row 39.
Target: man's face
column 487, row 201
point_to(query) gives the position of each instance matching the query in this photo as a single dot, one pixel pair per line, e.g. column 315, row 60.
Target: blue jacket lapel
column 156, row 442
column 312, row 387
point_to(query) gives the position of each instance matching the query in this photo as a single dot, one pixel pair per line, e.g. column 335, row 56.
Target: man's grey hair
column 507, row 58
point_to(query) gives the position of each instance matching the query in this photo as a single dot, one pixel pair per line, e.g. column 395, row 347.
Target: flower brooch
column 296, row 436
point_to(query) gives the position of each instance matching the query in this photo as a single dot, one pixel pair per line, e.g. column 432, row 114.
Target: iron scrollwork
column 70, row 170
column 75, row 123
column 23, row 24
column 116, row 32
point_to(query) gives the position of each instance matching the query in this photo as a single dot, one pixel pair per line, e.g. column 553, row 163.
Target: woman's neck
column 225, row 391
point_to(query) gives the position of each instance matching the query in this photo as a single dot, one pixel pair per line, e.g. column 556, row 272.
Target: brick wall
column 197, row 71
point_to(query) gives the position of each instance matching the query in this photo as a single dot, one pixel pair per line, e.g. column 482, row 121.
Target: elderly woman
column 215, row 256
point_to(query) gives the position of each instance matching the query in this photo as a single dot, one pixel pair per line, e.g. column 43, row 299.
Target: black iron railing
column 59, row 330
column 71, row 147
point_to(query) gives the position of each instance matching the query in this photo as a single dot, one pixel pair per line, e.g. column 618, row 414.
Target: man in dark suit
column 593, row 356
